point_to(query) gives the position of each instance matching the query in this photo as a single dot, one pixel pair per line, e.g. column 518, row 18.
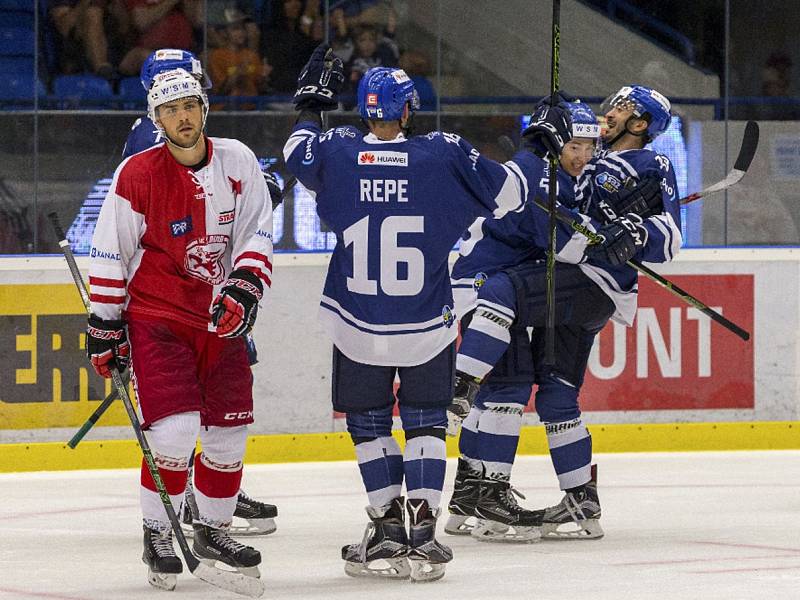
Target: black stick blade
column 749, row 146
column 53, row 216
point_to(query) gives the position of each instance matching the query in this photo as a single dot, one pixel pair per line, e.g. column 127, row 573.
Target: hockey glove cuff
column 644, row 200
column 234, row 310
column 107, row 345
column 275, row 191
column 620, row 240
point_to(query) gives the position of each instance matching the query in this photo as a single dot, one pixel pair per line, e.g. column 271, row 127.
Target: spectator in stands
column 81, row 41
column 161, row 24
column 289, row 41
column 776, row 79
column 341, row 42
column 235, row 69
column 369, row 53
column 216, row 19
column 418, row 67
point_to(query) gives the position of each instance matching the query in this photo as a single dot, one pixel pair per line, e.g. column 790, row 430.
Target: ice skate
column 463, row 501
column 163, row 566
column 258, row 517
column 212, row 545
column 576, row 516
column 427, row 556
column 464, row 394
column 383, row 550
column 501, row 519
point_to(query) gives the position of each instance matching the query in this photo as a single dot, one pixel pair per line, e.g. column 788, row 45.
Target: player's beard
column 186, row 145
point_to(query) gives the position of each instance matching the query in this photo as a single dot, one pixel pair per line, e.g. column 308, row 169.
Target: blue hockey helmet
column 584, row 121
column 647, row 104
column 383, row 93
column 168, row 59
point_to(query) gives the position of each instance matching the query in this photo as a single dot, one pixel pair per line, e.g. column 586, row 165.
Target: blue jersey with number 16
column 397, row 208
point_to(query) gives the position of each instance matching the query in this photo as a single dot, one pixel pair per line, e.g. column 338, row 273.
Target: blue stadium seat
column 131, row 90
column 16, row 41
column 83, row 91
column 18, row 5
column 16, row 64
column 17, row 18
column 20, row 87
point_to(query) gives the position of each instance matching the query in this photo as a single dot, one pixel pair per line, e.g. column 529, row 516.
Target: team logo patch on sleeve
column 383, row 158
column 226, row 217
column 608, row 182
column 181, row 226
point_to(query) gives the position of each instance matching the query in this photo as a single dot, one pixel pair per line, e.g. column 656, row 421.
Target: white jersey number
column 391, row 255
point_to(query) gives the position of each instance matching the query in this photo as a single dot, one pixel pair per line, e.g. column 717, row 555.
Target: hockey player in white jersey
column 634, row 191
column 181, row 257
column 397, row 205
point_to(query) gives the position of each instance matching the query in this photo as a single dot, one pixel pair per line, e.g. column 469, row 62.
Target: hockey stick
column 549, row 337
column 746, row 154
column 95, row 416
column 226, row 580
column 652, row 275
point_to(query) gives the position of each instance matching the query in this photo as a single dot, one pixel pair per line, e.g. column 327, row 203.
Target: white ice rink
column 678, row 526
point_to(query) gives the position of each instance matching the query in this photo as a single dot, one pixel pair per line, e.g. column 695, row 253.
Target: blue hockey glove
column 644, row 200
column 320, row 81
column 620, row 240
column 550, row 129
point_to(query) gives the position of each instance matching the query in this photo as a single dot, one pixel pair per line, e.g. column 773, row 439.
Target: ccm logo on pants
column 237, row 416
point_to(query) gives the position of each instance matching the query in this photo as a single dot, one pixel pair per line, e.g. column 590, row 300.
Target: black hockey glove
column 561, row 96
column 234, row 310
column 621, row 239
column 275, row 191
column 320, row 81
column 107, row 345
column 644, row 200
column 549, row 130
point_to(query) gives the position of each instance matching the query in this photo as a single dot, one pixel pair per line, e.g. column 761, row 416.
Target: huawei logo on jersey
column 384, row 158
column 236, row 186
column 366, row 158
column 203, row 258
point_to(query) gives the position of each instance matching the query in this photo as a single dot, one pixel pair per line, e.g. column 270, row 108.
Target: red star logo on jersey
column 236, row 186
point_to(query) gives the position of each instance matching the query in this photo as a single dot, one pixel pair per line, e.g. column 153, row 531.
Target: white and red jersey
column 167, row 237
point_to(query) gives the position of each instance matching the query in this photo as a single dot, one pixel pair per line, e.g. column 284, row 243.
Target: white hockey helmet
column 174, row 85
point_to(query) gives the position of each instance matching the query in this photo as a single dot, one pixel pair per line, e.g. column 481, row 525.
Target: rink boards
column 672, row 381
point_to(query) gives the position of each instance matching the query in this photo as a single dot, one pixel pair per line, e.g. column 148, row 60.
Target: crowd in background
column 250, row 47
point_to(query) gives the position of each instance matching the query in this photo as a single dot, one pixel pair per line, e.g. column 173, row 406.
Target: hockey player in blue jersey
column 633, row 190
column 259, row 517
column 397, row 204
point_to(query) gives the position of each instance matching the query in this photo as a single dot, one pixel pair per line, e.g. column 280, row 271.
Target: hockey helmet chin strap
column 625, row 130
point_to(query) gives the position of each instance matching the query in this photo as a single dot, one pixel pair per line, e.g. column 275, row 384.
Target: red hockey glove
column 234, row 309
column 107, row 345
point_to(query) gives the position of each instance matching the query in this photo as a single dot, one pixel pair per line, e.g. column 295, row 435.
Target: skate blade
column 589, row 529
column 423, row 571
column 382, row 568
column 162, row 581
column 222, row 566
column 459, row 525
column 492, row 531
column 253, row 527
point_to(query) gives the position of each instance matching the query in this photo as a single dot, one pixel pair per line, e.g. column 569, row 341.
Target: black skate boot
column 259, row 516
column 464, row 394
column 427, row 556
column 576, row 516
column 384, row 547
column 211, row 545
column 163, row 565
column 501, row 519
column 464, row 498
